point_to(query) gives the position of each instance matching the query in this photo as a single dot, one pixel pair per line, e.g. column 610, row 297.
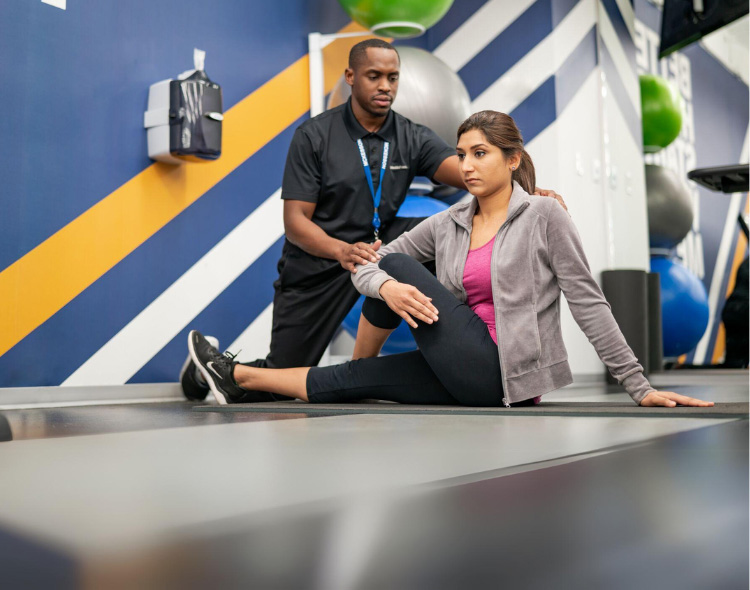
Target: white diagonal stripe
column 253, row 342
column 478, row 31
column 622, row 64
column 628, row 15
column 146, row 334
column 540, row 63
column 720, row 268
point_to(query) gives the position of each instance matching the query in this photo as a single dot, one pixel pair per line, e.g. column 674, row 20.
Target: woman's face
column 483, row 167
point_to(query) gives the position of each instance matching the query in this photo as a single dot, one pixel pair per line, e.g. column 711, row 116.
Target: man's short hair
column 358, row 53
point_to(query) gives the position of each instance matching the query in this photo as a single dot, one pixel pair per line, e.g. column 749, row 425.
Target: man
column 347, row 172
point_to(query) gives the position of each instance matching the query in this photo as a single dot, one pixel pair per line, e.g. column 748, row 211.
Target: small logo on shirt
column 399, row 167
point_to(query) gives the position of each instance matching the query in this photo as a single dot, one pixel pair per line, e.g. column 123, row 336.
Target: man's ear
column 349, row 76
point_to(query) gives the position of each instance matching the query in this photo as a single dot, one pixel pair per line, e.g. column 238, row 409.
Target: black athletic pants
column 457, row 361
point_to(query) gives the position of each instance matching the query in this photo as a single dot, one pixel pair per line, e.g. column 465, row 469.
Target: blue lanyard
column 375, row 195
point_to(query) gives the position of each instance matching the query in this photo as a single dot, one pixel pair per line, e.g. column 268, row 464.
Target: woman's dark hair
column 501, row 131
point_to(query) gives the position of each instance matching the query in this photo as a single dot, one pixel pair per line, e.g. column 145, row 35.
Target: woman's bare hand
column 670, row 399
column 408, row 302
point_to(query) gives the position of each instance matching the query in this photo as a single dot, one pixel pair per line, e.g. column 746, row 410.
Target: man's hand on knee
column 359, row 253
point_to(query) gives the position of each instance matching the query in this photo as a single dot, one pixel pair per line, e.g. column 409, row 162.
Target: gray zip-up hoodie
column 537, row 253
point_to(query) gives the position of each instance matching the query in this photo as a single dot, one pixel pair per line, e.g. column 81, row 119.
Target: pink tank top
column 478, row 287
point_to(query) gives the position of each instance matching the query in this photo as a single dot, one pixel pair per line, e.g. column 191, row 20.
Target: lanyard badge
column 368, row 175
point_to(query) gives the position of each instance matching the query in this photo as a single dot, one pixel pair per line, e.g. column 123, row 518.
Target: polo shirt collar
column 356, row 131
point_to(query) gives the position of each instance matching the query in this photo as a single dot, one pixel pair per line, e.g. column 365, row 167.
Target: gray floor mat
column 610, row 409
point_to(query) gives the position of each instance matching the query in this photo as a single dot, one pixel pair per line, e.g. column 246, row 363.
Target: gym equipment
column 684, row 306
column 734, row 315
column 670, row 210
column 429, row 93
column 396, row 18
column 184, row 117
column 684, row 22
column 401, row 339
column 661, row 107
column 420, row 207
column 655, row 336
column 725, row 179
column 626, row 292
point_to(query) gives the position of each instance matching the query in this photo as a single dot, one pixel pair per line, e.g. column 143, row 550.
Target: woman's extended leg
column 370, row 338
column 405, row 378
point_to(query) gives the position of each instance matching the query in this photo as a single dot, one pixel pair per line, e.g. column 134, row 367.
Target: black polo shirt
column 324, row 166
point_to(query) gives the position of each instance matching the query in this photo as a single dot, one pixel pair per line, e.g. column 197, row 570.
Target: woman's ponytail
column 525, row 174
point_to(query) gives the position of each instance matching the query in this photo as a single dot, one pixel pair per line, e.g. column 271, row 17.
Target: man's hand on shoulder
column 548, row 193
column 359, row 253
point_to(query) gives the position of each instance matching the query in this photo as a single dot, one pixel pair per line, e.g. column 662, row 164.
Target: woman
column 488, row 325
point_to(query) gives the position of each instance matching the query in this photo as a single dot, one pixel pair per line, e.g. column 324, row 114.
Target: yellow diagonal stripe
column 39, row 284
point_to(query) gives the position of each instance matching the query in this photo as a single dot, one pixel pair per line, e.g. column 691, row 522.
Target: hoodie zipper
column 497, row 244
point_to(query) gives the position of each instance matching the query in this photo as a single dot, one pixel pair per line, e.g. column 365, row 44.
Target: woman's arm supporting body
column 594, row 316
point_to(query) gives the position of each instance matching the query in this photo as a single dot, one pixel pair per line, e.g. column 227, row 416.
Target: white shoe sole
column 218, row 396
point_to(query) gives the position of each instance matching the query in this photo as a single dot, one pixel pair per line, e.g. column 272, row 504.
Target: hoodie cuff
column 637, row 386
column 376, row 283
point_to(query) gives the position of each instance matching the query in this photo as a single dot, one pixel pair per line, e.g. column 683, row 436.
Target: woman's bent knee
column 397, row 264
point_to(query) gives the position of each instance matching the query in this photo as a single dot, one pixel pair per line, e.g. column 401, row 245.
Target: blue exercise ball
column 684, row 306
column 414, row 206
column 401, row 340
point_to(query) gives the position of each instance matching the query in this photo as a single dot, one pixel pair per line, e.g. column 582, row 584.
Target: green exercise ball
column 396, row 18
column 661, row 108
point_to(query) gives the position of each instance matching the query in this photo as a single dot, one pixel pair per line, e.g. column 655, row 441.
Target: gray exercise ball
column 429, row 93
column 670, row 210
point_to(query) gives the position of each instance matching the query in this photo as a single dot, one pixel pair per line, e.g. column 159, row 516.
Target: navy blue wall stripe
column 537, row 112
column 457, row 14
column 542, row 107
column 574, row 70
column 520, row 37
column 617, row 88
column 226, row 317
column 115, row 299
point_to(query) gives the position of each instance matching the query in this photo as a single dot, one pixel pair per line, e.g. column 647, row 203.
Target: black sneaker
column 194, row 386
column 216, row 369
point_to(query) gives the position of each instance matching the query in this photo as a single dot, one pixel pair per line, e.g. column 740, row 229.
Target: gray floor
column 140, row 494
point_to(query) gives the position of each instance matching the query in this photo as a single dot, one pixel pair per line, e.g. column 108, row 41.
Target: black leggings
column 457, row 361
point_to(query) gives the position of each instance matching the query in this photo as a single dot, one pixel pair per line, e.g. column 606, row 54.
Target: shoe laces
column 224, row 358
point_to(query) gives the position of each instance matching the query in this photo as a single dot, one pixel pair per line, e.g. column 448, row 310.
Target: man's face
column 374, row 81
